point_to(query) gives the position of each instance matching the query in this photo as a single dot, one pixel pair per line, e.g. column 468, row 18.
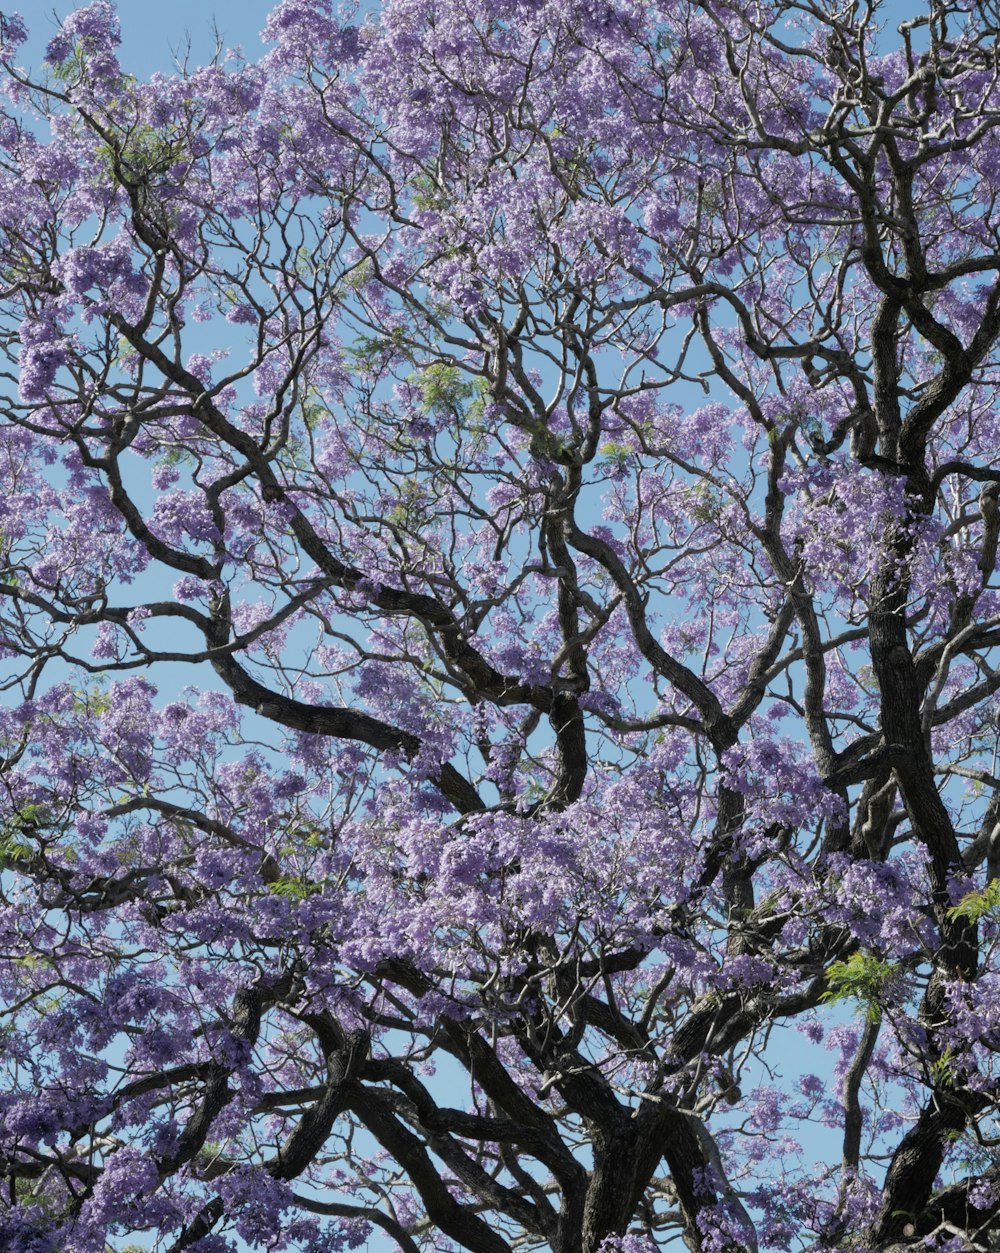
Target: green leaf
column 14, row 854
column 294, row 888
column 864, row 978
column 444, row 388
column 978, row 904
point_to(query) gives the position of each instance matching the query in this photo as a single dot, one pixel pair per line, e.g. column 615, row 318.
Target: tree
column 499, row 602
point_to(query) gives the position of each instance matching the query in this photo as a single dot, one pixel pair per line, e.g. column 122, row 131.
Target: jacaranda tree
column 498, row 602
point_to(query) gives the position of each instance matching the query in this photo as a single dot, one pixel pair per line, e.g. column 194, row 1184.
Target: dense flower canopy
column 498, row 602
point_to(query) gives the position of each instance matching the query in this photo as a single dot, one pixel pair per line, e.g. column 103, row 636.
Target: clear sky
column 153, row 29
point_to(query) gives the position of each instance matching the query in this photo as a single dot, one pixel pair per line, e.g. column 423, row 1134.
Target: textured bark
column 915, row 1164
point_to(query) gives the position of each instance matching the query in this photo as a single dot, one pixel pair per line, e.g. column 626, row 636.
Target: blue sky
column 152, row 31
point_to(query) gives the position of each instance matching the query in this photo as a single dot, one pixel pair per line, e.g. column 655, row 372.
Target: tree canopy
column 499, row 615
